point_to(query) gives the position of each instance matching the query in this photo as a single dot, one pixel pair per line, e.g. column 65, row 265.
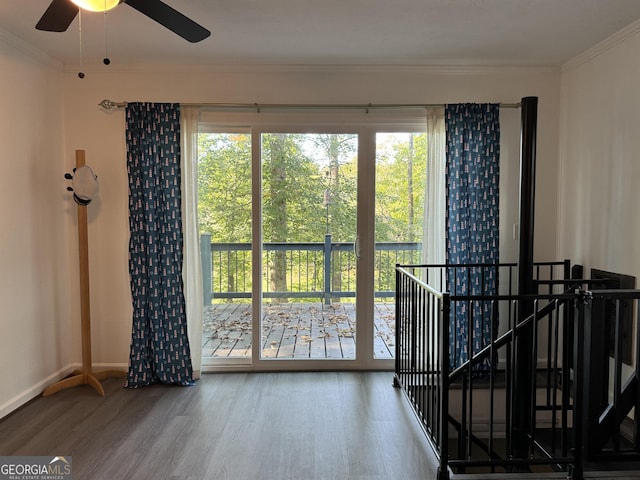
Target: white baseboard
column 37, row 389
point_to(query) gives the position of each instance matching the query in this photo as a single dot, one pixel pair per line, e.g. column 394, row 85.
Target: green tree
column 400, row 185
column 224, row 201
column 337, row 152
column 309, row 188
column 292, row 191
column 292, row 200
column 224, row 186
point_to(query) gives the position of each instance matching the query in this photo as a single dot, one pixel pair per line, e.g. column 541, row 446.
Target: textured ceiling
column 336, row 32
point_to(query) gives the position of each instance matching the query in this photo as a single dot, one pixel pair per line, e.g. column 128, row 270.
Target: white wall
column 102, row 136
column 596, row 195
column 599, row 226
column 48, row 114
column 37, row 338
column 600, row 156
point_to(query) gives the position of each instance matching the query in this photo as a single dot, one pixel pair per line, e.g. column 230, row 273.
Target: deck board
column 385, row 330
column 227, row 330
column 294, row 330
column 346, row 325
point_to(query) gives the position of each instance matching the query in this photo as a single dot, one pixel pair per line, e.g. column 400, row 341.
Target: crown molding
column 604, row 46
column 309, row 68
column 28, row 50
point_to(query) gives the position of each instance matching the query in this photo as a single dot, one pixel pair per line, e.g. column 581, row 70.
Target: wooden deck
column 294, row 330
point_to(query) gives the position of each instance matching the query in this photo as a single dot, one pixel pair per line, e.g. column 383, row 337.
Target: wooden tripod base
column 84, row 376
column 80, row 377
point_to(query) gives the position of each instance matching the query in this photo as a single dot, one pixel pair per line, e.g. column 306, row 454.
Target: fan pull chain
column 80, row 73
column 106, row 60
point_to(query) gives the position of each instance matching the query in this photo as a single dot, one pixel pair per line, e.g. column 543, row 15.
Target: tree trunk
column 333, row 150
column 278, row 191
column 410, row 199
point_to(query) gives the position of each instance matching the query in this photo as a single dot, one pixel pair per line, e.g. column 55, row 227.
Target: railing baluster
column 549, row 358
column 493, row 357
column 567, row 348
column 512, row 350
column 534, row 364
column 431, row 365
column 327, row 269
column 423, row 373
column 635, row 306
column 617, row 377
column 470, row 336
column 443, row 421
column 206, row 264
column 554, row 404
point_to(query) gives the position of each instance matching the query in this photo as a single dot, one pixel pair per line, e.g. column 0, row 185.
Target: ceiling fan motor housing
column 97, row 5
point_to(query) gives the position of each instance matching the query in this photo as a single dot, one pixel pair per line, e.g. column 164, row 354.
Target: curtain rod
column 258, row 107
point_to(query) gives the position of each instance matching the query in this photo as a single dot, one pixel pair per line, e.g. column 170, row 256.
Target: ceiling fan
column 61, row 13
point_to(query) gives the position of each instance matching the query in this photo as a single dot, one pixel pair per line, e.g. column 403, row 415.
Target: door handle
column 356, row 247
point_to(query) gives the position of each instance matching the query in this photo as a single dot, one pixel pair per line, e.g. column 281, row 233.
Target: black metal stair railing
column 584, row 397
column 490, row 400
column 423, row 370
column 611, row 387
column 421, row 358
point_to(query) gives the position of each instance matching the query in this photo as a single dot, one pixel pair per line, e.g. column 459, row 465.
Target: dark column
column 529, row 121
column 525, row 364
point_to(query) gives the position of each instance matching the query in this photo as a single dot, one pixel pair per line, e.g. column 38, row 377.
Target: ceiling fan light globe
column 97, row 5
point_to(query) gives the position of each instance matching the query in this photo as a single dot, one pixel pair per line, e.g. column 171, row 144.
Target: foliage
column 394, row 160
column 309, row 188
column 224, row 186
column 291, row 191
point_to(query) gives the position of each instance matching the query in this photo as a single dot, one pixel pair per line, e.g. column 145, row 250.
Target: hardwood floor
column 329, row 425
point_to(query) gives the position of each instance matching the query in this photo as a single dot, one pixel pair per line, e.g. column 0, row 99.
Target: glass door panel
column 401, row 159
column 309, row 200
column 224, row 218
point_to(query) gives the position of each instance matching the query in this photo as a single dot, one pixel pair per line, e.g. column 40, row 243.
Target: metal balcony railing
column 301, row 270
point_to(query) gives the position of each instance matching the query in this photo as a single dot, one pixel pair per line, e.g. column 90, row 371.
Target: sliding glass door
column 301, row 230
column 401, row 160
column 309, row 208
column 225, row 219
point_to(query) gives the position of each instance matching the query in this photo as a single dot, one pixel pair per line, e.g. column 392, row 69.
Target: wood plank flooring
column 329, row 425
column 295, row 330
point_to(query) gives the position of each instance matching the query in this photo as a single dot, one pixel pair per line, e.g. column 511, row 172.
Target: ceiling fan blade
column 170, row 18
column 58, row 16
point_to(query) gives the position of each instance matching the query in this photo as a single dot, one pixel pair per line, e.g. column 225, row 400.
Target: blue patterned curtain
column 472, row 178
column 159, row 343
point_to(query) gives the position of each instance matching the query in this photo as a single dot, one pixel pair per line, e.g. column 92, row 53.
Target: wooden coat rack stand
column 86, row 375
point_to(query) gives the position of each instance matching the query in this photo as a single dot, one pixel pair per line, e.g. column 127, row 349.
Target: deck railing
column 581, row 403
column 309, row 270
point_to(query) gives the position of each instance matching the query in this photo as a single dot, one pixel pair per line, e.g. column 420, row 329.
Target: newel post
column 524, row 362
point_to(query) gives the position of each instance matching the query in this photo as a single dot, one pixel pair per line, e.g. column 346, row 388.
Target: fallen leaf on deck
column 346, row 332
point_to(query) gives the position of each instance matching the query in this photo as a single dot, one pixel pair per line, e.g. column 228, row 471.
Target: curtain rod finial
column 107, row 104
